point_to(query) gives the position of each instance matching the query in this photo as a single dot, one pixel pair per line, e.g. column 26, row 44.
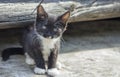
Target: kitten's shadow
column 46, row 75
column 49, row 76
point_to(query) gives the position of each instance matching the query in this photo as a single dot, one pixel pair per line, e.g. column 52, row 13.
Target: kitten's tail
column 6, row 53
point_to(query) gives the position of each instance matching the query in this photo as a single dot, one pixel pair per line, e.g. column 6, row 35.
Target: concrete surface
column 91, row 55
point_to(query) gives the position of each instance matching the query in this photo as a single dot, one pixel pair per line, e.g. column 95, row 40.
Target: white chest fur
column 47, row 45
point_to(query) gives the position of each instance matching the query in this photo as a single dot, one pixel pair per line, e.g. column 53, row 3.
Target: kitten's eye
column 55, row 30
column 43, row 27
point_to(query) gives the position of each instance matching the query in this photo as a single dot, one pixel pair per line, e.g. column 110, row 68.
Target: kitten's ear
column 41, row 13
column 64, row 18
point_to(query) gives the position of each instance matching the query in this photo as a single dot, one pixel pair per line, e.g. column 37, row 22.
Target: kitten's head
column 50, row 26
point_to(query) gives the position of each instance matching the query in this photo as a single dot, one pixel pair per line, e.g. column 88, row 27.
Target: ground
column 91, row 55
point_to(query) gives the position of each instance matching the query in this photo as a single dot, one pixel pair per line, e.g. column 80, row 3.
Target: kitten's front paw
column 39, row 70
column 53, row 72
column 59, row 65
column 29, row 60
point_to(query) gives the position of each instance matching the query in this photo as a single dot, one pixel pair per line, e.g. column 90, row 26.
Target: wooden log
column 19, row 14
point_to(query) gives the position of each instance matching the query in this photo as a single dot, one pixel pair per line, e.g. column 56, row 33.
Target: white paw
column 59, row 65
column 29, row 60
column 53, row 72
column 39, row 70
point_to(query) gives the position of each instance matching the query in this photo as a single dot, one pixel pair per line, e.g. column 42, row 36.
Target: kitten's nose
column 47, row 36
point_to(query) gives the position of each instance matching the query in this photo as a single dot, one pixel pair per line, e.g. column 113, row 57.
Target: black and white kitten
column 41, row 42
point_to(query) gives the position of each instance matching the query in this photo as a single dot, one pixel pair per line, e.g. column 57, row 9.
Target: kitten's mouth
column 49, row 37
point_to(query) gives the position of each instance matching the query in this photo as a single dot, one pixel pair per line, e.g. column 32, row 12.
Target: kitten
column 41, row 42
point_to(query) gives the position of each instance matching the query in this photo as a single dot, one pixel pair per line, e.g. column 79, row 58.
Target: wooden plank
column 18, row 13
column 21, row 24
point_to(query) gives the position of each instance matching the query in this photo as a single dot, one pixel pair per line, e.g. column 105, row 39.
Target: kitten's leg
column 40, row 65
column 29, row 60
column 52, row 69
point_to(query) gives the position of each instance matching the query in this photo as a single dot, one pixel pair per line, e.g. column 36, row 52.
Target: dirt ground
column 91, row 55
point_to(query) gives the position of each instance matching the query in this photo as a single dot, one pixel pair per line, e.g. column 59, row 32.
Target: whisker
column 62, row 41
